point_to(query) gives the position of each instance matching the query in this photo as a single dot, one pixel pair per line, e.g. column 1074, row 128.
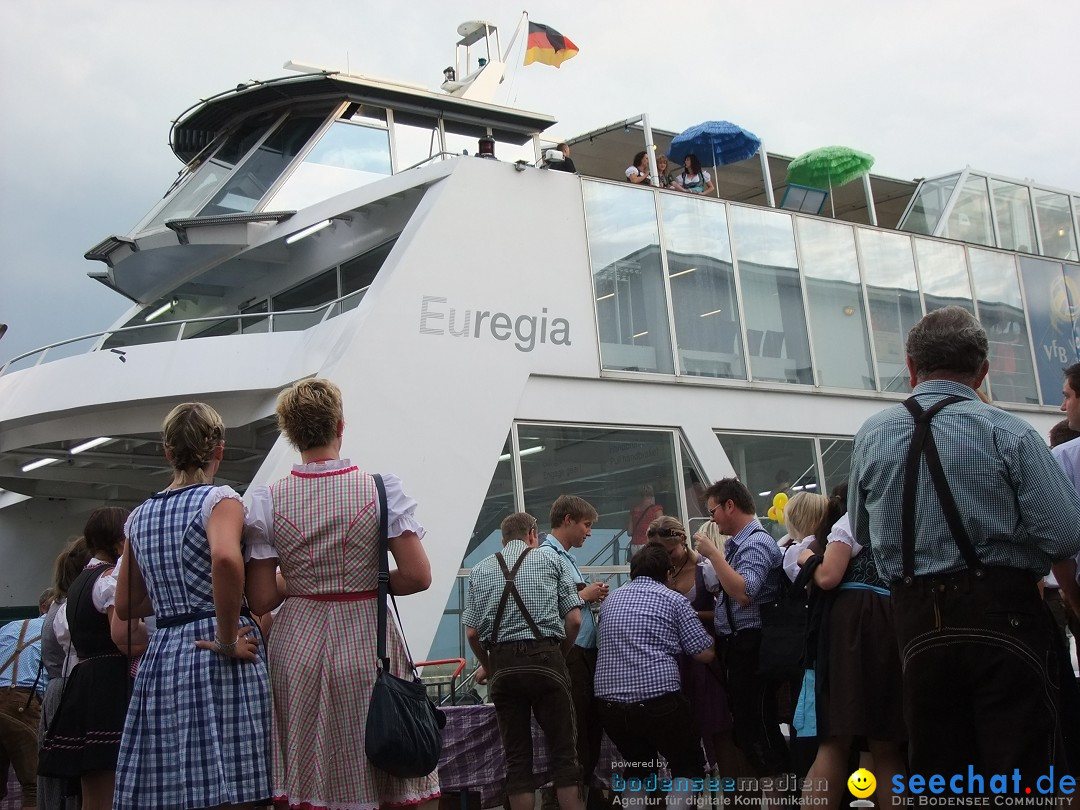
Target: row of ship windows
column 706, row 288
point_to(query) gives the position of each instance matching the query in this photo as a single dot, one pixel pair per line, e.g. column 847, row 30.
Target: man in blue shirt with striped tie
column 965, row 510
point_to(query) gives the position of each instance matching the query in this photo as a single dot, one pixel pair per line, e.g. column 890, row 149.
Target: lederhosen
column 975, row 646
column 530, row 673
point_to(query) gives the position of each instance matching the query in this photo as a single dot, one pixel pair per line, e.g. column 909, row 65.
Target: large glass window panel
column 772, row 298
column 893, row 292
column 608, row 467
column 1015, row 225
column 1055, row 224
column 943, row 273
column 834, row 294
column 631, row 302
column 929, row 204
column 1053, row 308
column 1001, row 312
column 186, row 199
column 694, row 486
column 347, row 156
column 769, row 465
column 836, row 462
column 254, row 178
column 969, row 220
column 359, row 273
column 702, row 281
column 499, row 502
column 310, row 294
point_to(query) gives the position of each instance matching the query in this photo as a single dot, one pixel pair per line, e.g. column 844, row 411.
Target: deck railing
column 116, row 340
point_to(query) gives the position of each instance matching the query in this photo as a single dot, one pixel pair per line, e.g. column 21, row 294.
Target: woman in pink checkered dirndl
column 320, row 524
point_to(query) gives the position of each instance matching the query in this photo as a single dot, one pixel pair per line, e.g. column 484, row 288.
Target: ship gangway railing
column 445, row 684
column 330, row 309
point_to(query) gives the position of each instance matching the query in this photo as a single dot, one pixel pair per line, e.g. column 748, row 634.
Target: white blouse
column 259, row 525
column 104, row 597
column 841, row 533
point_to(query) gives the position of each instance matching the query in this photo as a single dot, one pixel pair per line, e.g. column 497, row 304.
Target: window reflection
column 893, row 293
column 631, row 302
column 347, row 156
column 929, row 204
column 254, row 178
column 769, row 465
column 1001, row 312
column 769, row 274
column 702, row 282
column 970, row 217
column 1053, row 308
column 321, row 289
column 611, row 468
column 836, row 462
column 1015, row 226
column 943, row 273
column 1055, row 224
column 834, row 294
column 187, row 199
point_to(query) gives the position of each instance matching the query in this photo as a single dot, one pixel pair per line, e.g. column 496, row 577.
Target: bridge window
column 701, row 277
column 893, row 292
column 834, row 294
column 628, row 278
column 772, row 296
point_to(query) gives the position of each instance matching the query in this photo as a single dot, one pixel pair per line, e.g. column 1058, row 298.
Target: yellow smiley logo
column 861, row 783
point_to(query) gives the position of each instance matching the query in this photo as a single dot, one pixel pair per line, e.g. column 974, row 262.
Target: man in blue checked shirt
column 747, row 575
column 642, row 708
column 522, row 613
column 965, row 510
column 22, row 683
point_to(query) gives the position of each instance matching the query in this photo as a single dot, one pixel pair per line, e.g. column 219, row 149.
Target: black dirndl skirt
column 85, row 732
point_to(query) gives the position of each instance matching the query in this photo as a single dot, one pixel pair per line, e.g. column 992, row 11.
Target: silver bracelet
column 223, row 648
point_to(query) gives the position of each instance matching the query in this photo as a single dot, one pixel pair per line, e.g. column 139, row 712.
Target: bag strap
column 923, row 444
column 510, row 589
column 384, row 583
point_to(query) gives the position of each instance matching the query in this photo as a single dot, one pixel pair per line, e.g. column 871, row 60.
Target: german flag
column 548, row 46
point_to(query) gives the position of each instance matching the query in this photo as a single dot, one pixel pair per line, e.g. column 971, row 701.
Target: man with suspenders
column 521, row 617
column 22, row 682
column 965, row 510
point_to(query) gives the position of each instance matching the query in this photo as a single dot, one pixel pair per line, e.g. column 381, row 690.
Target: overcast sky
column 89, row 91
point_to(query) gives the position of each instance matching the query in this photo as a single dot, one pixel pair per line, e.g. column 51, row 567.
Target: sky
column 90, row 89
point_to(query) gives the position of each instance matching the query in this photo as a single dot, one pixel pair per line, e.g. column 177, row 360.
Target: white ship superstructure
column 504, row 333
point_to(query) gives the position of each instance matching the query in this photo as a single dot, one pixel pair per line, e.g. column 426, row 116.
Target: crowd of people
column 933, row 645
column 928, row 649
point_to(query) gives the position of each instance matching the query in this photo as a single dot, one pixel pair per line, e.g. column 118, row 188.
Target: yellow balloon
column 780, row 500
column 772, row 513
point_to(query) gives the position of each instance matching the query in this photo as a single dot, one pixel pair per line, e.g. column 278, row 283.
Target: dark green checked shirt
column 1016, row 504
column 546, row 587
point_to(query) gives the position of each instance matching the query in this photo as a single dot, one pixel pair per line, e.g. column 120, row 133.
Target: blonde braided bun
column 309, row 413
column 190, row 433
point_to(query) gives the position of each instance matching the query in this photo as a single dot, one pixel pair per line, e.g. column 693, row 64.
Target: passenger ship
column 504, row 333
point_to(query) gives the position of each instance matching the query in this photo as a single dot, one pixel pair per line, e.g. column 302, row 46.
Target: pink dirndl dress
column 322, row 647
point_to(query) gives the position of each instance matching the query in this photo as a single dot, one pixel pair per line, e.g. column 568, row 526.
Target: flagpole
column 513, row 39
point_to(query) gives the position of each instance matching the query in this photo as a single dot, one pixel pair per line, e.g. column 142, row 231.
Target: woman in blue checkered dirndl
column 197, row 729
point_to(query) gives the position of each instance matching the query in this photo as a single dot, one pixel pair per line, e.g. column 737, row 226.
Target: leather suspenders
column 511, row 590
column 923, row 444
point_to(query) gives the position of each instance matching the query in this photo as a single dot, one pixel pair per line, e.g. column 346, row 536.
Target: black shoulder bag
column 404, row 729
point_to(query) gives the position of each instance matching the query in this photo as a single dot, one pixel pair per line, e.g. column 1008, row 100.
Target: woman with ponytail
column 197, row 730
column 858, row 687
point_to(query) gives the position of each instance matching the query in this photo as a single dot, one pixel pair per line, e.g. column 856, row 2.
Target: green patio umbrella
column 829, row 166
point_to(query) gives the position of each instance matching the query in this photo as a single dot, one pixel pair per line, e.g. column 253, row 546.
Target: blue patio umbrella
column 716, row 143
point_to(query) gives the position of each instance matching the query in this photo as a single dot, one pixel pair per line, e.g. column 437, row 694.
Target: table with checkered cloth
column 472, row 757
